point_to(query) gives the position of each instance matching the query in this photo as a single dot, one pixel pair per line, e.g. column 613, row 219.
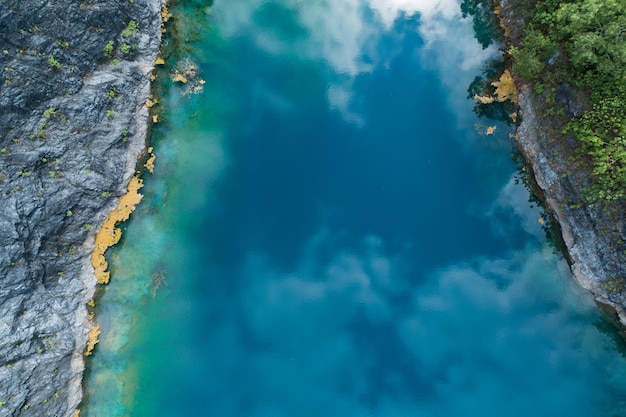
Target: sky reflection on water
column 339, row 240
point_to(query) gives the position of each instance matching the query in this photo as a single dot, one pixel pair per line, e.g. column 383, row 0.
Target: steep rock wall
column 74, row 77
column 594, row 237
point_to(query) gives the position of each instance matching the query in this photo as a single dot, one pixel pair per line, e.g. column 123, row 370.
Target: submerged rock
column 74, row 79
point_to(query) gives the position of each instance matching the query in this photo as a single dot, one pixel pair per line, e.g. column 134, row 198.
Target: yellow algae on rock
column 484, row 99
column 498, row 12
column 159, row 61
column 179, row 78
column 92, row 339
column 149, row 165
column 165, row 14
column 505, row 87
column 505, row 90
column 151, row 102
column 109, row 234
column 76, row 413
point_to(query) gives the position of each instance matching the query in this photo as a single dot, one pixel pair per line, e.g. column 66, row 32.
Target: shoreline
column 92, row 274
column 588, row 233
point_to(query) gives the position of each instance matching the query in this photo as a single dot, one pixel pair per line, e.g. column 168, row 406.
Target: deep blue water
column 338, row 238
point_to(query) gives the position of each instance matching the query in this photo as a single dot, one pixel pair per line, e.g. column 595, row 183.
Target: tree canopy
column 583, row 42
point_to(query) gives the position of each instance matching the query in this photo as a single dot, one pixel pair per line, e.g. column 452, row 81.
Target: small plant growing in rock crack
column 125, row 48
column 54, row 63
column 109, row 113
column 88, row 227
column 112, row 93
column 108, row 49
column 48, row 113
column 130, row 30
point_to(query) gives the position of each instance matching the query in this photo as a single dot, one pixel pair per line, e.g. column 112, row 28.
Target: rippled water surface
column 329, row 232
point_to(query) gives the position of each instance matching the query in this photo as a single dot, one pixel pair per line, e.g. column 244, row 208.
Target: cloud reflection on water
column 339, row 335
column 346, row 34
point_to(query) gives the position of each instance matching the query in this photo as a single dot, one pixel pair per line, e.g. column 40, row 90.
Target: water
column 329, row 233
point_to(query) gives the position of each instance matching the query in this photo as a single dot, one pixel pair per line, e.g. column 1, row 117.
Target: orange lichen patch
column 491, row 130
column 109, row 234
column 149, row 165
column 92, row 339
column 505, row 87
column 159, row 61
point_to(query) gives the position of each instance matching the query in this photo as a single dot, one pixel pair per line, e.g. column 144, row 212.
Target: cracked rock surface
column 74, row 77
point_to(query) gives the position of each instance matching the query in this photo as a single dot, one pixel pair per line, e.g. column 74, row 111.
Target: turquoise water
column 330, row 232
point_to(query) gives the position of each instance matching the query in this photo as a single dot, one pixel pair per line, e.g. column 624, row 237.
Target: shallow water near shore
column 330, row 231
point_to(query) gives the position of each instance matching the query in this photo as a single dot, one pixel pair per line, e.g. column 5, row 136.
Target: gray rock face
column 74, row 77
column 595, row 237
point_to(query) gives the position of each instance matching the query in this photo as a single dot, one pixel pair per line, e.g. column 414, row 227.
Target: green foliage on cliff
column 583, row 42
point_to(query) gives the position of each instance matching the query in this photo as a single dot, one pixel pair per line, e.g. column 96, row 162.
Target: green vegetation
column 108, row 49
column 48, row 113
column 54, row 63
column 130, row 30
column 614, row 285
column 125, row 48
column 583, row 42
column 112, row 93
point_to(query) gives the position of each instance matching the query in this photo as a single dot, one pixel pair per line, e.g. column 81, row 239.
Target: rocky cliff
column 74, row 77
column 594, row 236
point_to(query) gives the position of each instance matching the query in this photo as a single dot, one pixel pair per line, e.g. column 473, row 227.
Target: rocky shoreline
column 593, row 236
column 75, row 78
